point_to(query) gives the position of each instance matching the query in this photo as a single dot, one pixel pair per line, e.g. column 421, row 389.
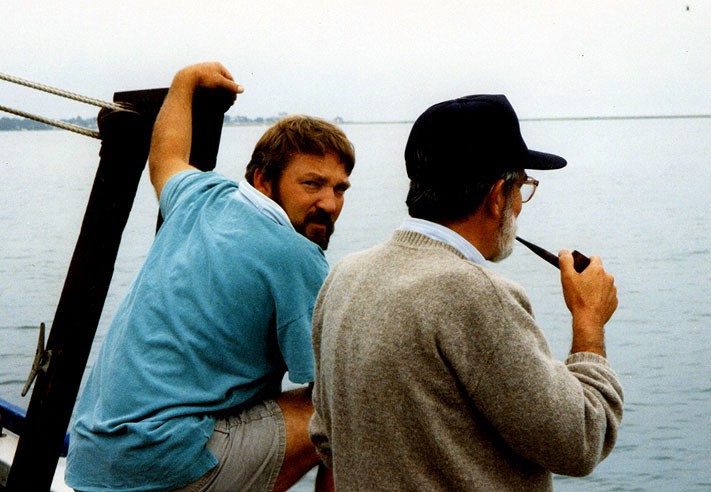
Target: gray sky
column 370, row 60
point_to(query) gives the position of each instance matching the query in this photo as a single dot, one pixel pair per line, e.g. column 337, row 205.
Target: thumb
column 565, row 260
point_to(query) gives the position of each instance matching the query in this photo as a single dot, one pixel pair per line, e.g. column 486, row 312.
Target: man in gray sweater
column 432, row 373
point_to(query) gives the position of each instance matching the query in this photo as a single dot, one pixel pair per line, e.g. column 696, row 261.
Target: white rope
column 60, row 92
column 48, row 121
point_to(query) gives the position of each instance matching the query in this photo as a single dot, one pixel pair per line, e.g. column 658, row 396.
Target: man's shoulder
column 463, row 281
column 192, row 176
column 279, row 251
column 192, row 183
column 489, row 282
column 436, row 267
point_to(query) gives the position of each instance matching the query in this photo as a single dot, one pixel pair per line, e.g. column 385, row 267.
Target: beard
column 506, row 235
column 319, row 235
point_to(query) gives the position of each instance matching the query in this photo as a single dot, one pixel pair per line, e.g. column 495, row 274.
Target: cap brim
column 544, row 161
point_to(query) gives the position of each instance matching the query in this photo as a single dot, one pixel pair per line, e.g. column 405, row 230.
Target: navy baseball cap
column 470, row 138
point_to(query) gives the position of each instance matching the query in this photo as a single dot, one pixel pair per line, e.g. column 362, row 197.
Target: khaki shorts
column 249, row 448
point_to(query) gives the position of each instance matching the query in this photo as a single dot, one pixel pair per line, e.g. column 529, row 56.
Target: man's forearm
column 172, row 131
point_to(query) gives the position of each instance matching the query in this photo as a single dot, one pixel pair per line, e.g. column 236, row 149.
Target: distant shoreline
column 25, row 124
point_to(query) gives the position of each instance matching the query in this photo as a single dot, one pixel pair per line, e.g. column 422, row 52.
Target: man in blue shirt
column 186, row 391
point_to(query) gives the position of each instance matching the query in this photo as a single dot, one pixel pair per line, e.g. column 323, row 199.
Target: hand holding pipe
column 580, row 261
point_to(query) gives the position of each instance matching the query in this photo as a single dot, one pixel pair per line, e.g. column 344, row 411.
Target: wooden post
column 125, row 138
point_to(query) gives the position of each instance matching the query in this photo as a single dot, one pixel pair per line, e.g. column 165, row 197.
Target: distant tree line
column 261, row 120
column 16, row 124
column 10, row 124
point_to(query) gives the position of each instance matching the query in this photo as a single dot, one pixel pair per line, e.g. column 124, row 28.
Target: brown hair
column 298, row 134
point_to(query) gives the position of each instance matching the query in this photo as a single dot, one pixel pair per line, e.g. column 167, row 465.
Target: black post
column 125, row 143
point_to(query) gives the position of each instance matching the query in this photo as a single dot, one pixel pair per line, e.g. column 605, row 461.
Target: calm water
column 635, row 192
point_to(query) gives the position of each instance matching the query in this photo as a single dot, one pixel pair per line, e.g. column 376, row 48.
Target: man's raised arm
column 172, row 132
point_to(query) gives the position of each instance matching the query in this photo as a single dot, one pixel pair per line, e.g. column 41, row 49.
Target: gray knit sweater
column 433, row 375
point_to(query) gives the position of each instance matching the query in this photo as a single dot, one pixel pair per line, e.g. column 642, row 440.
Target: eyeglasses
column 528, row 189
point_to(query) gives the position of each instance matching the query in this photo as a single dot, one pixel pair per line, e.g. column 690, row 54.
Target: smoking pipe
column 580, row 261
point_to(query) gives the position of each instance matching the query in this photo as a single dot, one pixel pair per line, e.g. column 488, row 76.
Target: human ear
column 261, row 183
column 496, row 200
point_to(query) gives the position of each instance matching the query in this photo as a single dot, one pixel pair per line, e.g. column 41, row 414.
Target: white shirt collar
column 446, row 235
column 266, row 206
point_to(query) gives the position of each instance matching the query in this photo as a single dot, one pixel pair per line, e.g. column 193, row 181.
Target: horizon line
column 561, row 118
column 340, row 120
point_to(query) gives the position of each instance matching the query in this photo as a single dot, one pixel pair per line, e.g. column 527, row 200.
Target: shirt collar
column 446, row 235
column 266, row 206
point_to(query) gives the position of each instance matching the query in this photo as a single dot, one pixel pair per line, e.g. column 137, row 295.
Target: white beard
column 507, row 234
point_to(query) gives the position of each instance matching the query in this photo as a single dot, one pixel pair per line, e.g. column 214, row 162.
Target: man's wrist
column 185, row 80
column 588, row 337
column 598, row 349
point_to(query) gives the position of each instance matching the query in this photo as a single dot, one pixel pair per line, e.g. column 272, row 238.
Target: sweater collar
column 445, row 235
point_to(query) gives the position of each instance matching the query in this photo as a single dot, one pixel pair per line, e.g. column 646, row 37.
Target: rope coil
column 62, row 93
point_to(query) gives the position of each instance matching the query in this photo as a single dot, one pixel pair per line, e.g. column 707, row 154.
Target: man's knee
column 297, row 401
column 300, row 455
column 297, row 409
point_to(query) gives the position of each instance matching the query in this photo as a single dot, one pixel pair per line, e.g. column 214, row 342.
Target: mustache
column 319, row 216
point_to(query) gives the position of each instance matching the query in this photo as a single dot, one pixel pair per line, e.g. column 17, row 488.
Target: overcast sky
column 370, row 60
